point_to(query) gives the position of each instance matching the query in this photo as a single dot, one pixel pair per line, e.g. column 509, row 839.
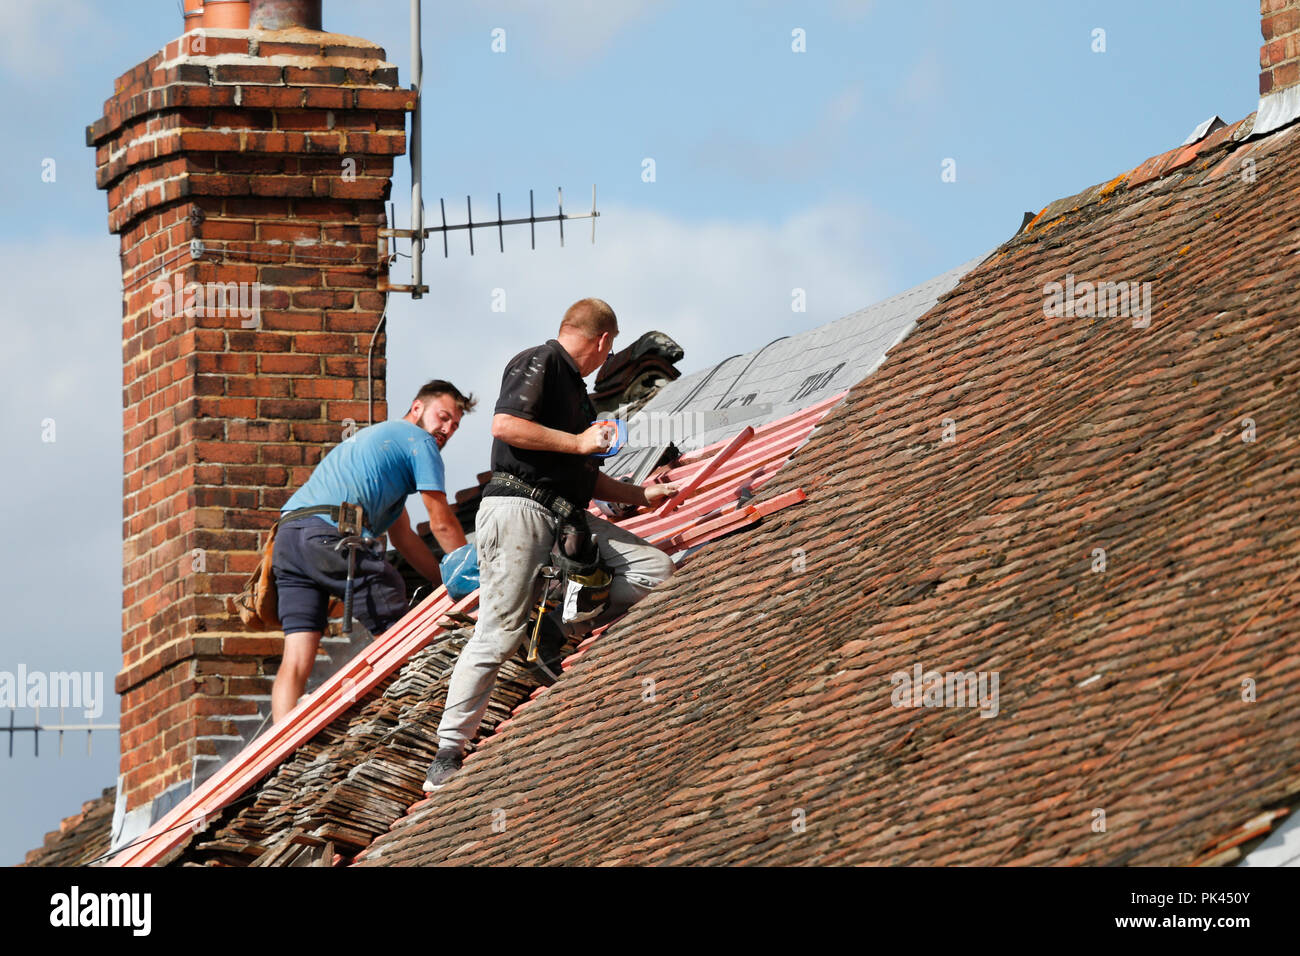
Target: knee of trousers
column 497, row 646
column 651, row 572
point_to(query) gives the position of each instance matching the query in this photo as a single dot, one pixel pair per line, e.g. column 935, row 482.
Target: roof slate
column 784, row 375
column 743, row 712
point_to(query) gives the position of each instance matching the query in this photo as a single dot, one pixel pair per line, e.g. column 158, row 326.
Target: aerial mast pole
column 417, row 200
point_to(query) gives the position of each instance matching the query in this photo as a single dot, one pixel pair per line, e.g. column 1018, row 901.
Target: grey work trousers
column 514, row 537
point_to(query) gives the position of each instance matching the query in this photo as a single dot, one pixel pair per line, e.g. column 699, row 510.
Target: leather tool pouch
column 257, row 603
column 587, row 577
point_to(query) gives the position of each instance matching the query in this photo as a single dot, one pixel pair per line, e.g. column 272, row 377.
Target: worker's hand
column 595, row 439
column 657, row 494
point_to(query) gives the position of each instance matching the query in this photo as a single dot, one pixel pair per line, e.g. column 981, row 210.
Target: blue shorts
column 308, row 572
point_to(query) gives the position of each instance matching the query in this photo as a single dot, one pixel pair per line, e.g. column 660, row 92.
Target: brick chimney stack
column 246, row 173
column 1279, row 64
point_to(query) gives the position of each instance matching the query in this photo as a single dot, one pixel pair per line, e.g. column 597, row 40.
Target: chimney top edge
column 319, row 38
column 276, row 59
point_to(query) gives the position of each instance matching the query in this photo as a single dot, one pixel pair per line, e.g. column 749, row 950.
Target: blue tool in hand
column 619, row 429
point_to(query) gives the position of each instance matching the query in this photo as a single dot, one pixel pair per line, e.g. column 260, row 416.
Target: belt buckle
column 351, row 518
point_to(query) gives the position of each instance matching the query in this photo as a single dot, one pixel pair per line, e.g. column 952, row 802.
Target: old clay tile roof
column 772, row 688
column 351, row 781
column 80, row 838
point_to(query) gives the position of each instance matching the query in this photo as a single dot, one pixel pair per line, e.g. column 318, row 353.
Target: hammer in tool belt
column 351, row 525
column 548, row 573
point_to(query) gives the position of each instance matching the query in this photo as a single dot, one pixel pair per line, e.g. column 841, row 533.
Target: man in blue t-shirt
column 376, row 468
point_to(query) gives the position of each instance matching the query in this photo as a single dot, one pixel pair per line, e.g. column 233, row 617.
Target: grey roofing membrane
column 778, row 379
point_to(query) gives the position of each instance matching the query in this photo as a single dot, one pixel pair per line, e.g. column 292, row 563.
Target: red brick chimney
column 1279, row 64
column 246, row 173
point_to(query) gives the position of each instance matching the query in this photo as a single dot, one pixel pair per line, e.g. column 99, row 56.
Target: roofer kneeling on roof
column 374, row 469
column 543, row 480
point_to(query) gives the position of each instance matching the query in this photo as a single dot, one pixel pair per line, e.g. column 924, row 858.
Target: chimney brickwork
column 1279, row 57
column 246, row 174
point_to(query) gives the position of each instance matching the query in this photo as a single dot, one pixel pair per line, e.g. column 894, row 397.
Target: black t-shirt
column 544, row 385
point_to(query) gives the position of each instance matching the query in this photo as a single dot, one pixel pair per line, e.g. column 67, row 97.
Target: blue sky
column 774, row 170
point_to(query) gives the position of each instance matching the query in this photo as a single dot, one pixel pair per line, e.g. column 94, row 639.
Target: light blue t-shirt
column 376, row 468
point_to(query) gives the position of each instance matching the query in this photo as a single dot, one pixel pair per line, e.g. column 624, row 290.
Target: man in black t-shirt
column 543, row 443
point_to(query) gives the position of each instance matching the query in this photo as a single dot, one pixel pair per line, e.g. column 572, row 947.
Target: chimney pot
column 285, row 14
column 225, row 14
column 193, row 16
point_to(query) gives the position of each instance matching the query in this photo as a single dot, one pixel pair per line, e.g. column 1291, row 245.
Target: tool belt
column 584, row 577
column 258, row 603
column 350, row 518
column 558, row 505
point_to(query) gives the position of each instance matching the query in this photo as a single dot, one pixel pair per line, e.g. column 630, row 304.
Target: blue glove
column 460, row 571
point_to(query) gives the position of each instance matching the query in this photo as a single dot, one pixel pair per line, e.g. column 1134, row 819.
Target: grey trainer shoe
column 442, row 769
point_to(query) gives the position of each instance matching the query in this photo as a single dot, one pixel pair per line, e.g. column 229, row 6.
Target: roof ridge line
column 1227, row 139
